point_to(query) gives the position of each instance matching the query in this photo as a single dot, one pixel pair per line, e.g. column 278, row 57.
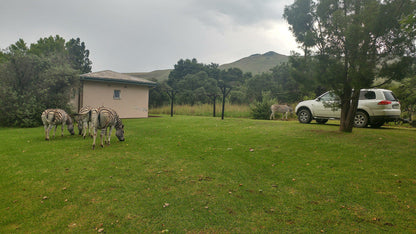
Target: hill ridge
column 255, row 63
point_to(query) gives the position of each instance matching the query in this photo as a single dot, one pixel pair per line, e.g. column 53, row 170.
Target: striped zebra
column 103, row 118
column 84, row 121
column 54, row 117
column 284, row 109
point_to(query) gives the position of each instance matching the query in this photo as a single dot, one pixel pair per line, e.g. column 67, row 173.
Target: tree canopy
column 353, row 43
column 38, row 77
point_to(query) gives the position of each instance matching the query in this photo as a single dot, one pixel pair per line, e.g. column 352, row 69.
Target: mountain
column 159, row 75
column 256, row 64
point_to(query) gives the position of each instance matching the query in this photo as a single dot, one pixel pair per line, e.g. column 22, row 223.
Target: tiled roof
column 111, row 76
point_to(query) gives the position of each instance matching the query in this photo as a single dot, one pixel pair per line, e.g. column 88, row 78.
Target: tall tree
column 181, row 69
column 19, row 47
column 34, row 79
column 48, row 46
column 354, row 41
column 78, row 55
column 228, row 79
column 406, row 92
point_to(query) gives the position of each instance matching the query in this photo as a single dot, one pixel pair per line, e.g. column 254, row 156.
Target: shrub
column 261, row 110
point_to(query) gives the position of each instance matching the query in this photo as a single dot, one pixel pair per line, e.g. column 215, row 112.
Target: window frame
column 117, row 94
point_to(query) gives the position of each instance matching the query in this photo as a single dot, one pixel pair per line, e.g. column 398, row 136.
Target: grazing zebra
column 84, row 121
column 54, row 117
column 284, row 109
column 103, row 118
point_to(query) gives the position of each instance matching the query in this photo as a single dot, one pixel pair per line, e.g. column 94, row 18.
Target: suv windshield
column 389, row 96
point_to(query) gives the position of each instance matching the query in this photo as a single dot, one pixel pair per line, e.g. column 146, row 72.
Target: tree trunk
column 225, row 92
column 214, row 107
column 349, row 104
column 171, row 107
column 223, row 105
column 171, row 94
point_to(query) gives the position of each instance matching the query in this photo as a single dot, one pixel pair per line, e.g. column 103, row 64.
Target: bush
column 29, row 84
column 261, row 110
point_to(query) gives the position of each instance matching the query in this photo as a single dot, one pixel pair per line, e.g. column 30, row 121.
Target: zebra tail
column 99, row 118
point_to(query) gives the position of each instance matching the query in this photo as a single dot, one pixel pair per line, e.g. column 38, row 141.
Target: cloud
column 129, row 36
column 219, row 13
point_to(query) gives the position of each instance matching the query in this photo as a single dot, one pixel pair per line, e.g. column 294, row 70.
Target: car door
column 327, row 106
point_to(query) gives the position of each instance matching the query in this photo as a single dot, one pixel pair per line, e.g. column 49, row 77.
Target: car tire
column 304, row 116
column 321, row 121
column 360, row 119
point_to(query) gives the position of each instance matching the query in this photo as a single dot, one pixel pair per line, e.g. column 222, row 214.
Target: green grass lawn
column 201, row 174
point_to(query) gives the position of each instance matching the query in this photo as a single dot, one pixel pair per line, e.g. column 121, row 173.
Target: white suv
column 375, row 107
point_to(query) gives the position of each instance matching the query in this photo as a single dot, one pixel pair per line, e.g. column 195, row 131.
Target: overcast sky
column 147, row 35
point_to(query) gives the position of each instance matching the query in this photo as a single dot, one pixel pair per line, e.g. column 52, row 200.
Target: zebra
column 103, row 118
column 284, row 109
column 54, row 117
column 84, row 121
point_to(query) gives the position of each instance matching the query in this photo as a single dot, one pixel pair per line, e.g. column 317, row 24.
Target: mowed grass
column 205, row 175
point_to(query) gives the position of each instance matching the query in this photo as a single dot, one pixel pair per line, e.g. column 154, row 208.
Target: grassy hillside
column 258, row 63
column 159, row 75
column 187, row 174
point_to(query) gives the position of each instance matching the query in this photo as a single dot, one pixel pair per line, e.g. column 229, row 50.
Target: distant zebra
column 103, row 118
column 84, row 121
column 284, row 109
column 55, row 117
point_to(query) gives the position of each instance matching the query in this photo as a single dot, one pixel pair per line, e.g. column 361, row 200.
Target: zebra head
column 80, row 127
column 70, row 125
column 120, row 131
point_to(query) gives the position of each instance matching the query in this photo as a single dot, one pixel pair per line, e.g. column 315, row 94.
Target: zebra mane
column 119, row 124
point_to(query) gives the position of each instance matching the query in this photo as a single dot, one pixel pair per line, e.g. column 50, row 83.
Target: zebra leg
column 94, row 136
column 109, row 134
column 103, row 132
column 90, row 128
column 84, row 128
column 272, row 116
column 54, row 131
column 62, row 129
column 47, row 129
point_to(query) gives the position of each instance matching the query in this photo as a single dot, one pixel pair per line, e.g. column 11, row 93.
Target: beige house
column 128, row 95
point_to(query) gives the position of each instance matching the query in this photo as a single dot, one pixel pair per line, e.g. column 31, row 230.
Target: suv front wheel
column 304, row 116
column 360, row 119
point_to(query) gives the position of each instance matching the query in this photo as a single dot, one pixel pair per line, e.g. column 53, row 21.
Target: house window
column 116, row 94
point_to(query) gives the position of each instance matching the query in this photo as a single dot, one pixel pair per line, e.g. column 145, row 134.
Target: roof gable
column 111, row 76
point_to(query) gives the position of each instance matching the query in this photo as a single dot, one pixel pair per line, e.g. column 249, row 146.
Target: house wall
column 133, row 101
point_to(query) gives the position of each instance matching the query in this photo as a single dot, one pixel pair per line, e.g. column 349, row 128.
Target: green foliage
column 34, row 79
column 355, row 42
column 197, row 83
column 261, row 109
column 157, row 96
column 406, row 93
column 78, row 55
column 49, row 46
